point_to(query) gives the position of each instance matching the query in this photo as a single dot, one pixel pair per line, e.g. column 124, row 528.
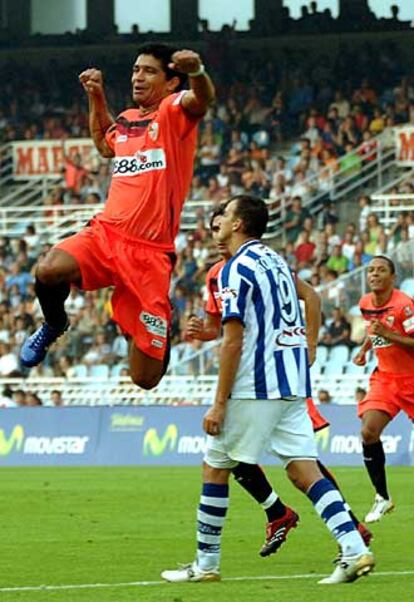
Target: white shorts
column 253, row 426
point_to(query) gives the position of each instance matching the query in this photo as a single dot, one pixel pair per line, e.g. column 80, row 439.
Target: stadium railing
column 336, row 186
column 173, row 390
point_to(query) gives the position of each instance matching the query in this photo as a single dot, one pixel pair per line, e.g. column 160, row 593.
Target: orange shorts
column 141, row 276
column 318, row 421
column 389, row 393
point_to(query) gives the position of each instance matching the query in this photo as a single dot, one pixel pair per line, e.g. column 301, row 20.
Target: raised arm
column 202, row 92
column 100, row 118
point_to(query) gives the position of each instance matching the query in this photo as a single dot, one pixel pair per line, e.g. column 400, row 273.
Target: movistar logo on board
column 12, row 442
column 16, row 441
column 156, row 445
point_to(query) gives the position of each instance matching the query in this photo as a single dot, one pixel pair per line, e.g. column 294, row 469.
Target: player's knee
column 49, row 271
column 145, row 381
column 369, row 434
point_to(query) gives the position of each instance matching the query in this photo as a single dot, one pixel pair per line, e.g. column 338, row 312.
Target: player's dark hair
column 219, row 210
column 389, row 261
column 253, row 212
column 164, row 52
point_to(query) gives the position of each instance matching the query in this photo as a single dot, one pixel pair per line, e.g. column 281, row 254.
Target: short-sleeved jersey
column 396, row 314
column 257, row 287
column 152, row 172
column 213, row 303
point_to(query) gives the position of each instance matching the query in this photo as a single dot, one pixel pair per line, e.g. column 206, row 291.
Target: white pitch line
column 48, row 588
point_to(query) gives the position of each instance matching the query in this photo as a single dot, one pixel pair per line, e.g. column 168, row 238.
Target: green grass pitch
column 116, row 526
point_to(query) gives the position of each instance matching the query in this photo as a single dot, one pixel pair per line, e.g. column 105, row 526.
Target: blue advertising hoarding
column 161, row 435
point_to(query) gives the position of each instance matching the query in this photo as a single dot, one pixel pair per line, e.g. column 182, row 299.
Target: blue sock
column 211, row 514
column 330, row 505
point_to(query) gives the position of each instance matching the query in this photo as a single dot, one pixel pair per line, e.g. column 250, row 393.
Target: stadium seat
column 407, row 286
column 81, row 371
column 333, row 367
column 322, row 354
column 351, row 368
column 99, row 371
column 316, row 368
column 339, row 354
column 116, row 370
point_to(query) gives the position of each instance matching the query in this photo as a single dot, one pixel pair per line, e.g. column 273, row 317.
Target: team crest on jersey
column 153, row 130
column 408, row 311
column 122, row 138
column 390, row 320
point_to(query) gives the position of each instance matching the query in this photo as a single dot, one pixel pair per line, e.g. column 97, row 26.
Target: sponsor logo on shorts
column 294, row 336
column 157, row 343
column 154, row 324
column 141, row 162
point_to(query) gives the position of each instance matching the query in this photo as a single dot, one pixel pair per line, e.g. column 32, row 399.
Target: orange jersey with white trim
column 152, row 172
column 396, row 314
column 213, row 303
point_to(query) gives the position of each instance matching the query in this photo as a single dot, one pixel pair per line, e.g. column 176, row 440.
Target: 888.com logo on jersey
column 141, row 162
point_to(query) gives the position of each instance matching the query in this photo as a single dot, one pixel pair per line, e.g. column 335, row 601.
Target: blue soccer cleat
column 35, row 347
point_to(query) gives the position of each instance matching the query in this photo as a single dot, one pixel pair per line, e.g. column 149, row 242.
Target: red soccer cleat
column 365, row 533
column 277, row 530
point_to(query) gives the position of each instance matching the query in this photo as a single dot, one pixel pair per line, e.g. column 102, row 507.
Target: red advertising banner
column 39, row 158
column 404, row 141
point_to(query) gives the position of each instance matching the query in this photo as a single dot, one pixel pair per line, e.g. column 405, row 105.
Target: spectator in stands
column 338, row 261
column 9, row 363
column 305, row 250
column 19, row 397
column 33, row 399
column 324, row 396
column 56, row 398
column 294, row 219
column 6, row 398
column 338, row 331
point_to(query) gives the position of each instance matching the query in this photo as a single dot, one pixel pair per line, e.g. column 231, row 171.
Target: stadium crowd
column 313, row 99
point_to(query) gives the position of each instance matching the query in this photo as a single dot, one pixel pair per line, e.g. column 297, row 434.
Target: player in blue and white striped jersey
column 260, row 397
column 257, row 288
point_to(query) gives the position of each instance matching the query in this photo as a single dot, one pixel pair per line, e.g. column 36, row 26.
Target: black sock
column 374, row 459
column 327, row 473
column 252, row 478
column 52, row 299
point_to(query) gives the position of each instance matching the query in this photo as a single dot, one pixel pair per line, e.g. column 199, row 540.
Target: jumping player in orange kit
column 130, row 244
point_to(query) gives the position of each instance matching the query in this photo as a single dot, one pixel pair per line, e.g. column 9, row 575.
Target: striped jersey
column 256, row 287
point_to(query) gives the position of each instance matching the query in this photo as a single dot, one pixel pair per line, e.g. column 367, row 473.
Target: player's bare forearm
column 100, row 120
column 230, row 353
column 312, row 311
column 200, row 96
column 394, row 337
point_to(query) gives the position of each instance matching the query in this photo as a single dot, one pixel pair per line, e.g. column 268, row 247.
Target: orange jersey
column 397, row 314
column 152, row 172
column 213, row 303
